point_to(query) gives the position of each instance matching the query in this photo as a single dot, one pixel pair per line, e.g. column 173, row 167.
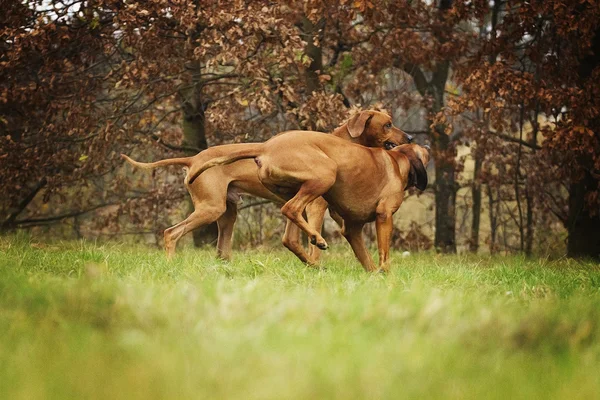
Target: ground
column 84, row 320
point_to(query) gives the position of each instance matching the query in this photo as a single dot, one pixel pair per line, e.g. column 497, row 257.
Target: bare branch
column 10, row 221
column 57, row 218
column 256, row 203
column 515, row 140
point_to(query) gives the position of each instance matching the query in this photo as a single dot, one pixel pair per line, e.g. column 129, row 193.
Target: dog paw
column 319, row 242
column 313, row 265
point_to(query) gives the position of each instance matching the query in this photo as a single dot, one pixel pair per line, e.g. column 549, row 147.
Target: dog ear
column 358, row 123
column 417, row 176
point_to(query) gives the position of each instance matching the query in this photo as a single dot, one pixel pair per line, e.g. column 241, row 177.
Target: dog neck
column 342, row 132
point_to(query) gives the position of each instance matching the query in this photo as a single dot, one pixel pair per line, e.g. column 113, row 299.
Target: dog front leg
column 384, row 226
column 291, row 240
column 353, row 234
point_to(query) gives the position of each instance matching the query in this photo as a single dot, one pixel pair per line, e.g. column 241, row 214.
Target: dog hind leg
column 226, row 223
column 293, row 209
column 315, row 213
column 195, row 220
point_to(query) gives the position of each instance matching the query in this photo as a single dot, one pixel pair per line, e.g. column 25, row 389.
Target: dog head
column 375, row 129
column 418, row 158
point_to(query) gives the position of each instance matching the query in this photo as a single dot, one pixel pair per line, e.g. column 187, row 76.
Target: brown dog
column 360, row 184
column 215, row 194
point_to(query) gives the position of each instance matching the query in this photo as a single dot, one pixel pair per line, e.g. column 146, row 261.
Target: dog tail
column 246, row 150
column 186, row 161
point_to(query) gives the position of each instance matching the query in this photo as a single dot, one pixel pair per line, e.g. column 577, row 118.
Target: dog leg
column 195, row 220
column 226, row 223
column 354, row 236
column 291, row 240
column 384, row 226
column 338, row 219
column 315, row 213
column 294, row 208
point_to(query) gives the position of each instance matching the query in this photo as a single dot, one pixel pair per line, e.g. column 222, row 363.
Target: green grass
column 81, row 320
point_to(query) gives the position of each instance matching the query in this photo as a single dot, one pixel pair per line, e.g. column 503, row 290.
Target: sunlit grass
column 83, row 320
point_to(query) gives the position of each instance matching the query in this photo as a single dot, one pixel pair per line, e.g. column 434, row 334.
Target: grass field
column 80, row 320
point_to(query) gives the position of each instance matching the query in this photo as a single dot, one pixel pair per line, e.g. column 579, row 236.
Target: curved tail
column 247, row 150
column 170, row 161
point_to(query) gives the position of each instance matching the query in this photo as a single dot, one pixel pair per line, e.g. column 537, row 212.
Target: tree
column 544, row 66
column 584, row 202
column 82, row 82
column 425, row 40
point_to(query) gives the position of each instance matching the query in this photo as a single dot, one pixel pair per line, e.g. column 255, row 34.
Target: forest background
column 506, row 93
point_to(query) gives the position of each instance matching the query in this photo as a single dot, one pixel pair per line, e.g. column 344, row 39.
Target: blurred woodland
column 506, row 93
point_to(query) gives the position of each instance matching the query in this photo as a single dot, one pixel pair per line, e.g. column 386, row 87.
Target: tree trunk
column 517, row 184
column 194, row 135
column 444, row 153
column 311, row 34
column 444, row 156
column 584, row 223
column 529, row 224
column 476, row 188
column 445, row 198
column 493, row 219
column 476, row 208
column 583, row 228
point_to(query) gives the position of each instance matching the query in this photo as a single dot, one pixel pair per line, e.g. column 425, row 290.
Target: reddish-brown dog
column 360, row 184
column 215, row 194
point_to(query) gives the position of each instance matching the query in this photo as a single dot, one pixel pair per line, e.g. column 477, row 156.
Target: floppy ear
column 417, row 176
column 357, row 124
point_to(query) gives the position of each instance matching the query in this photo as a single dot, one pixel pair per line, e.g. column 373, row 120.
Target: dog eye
column 388, row 125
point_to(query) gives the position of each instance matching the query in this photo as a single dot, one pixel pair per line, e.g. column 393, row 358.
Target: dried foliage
column 530, row 90
column 81, row 82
